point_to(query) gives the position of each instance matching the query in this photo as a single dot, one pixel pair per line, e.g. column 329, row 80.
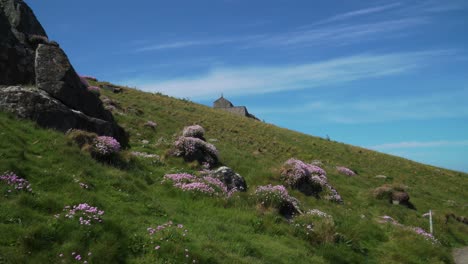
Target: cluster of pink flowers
column 417, row 230
column 151, row 124
column 89, row 77
column 345, row 171
column 295, row 172
column 85, row 212
column 317, row 212
column 188, row 146
column 204, row 184
column 170, row 233
column 195, row 131
column 144, row 155
column 170, row 224
column 94, row 89
column 104, row 145
column 275, row 196
column 84, row 185
column 16, row 182
column 77, row 257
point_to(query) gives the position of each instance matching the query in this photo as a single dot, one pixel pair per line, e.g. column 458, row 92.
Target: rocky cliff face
column 37, row 81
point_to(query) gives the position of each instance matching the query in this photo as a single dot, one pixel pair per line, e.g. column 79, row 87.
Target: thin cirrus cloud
column 378, row 110
column 357, row 13
column 335, row 35
column 338, row 35
column 268, row 79
column 420, row 144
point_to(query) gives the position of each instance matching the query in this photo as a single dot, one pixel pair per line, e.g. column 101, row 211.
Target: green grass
column 219, row 230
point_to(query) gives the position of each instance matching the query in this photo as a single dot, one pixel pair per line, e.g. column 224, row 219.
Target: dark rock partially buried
column 230, row 178
column 35, row 104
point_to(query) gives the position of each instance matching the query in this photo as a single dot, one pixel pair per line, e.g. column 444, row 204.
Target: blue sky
column 386, row 75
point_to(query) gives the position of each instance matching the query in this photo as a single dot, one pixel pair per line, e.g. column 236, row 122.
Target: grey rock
column 39, row 106
column 230, row 178
column 21, row 17
column 56, row 76
column 19, row 32
column 195, row 149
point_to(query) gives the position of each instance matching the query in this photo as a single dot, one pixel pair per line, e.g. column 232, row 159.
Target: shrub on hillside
column 277, row 197
column 83, row 139
column 104, row 146
column 395, row 194
column 315, row 226
column 308, row 179
column 195, row 131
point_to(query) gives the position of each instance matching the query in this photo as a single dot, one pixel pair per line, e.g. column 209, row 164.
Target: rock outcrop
column 19, row 32
column 38, row 105
column 230, row 178
column 193, row 147
column 37, row 80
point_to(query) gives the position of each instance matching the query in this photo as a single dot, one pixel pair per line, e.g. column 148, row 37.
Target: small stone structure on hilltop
column 226, row 105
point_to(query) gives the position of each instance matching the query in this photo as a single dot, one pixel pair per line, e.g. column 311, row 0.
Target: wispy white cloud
column 378, row 110
column 337, row 35
column 260, row 79
column 420, row 144
column 330, row 35
column 197, row 42
column 357, row 13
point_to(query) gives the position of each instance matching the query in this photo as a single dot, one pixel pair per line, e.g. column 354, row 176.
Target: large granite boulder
column 56, row 76
column 35, row 104
column 19, row 34
column 37, row 81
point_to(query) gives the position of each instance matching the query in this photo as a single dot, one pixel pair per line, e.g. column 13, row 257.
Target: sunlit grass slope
column 218, row 230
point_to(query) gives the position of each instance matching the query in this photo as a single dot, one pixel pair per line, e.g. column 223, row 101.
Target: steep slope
column 219, row 230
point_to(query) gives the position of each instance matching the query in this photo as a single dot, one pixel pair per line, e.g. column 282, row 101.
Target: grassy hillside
column 219, row 230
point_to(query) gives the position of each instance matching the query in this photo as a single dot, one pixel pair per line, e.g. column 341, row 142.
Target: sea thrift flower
column 345, row 171
column 195, row 131
column 86, row 213
column 89, row 77
column 417, row 230
column 189, row 146
column 276, row 196
column 16, row 182
column 318, row 213
column 94, row 89
column 104, row 145
column 295, row 171
column 205, row 184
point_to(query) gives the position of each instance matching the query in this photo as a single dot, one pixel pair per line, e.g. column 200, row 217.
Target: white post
column 430, row 221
